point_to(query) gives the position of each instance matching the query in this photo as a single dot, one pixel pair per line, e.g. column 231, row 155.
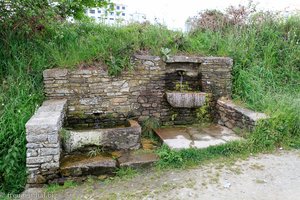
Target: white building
column 103, row 15
column 137, row 17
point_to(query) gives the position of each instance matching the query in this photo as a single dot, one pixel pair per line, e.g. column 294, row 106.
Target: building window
column 123, row 14
column 111, row 18
column 111, row 13
column 92, row 11
column 123, row 7
column 118, row 13
column 99, row 11
column 118, row 7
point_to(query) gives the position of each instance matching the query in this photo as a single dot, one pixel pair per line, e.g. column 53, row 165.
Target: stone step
column 137, row 159
column 80, row 165
column 195, row 136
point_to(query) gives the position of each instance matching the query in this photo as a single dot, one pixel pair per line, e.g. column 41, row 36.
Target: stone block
column 33, row 145
column 52, row 165
column 32, row 153
column 40, row 159
column 54, row 73
column 53, row 139
column 79, row 165
column 37, row 138
column 142, row 99
column 119, row 100
column 49, row 151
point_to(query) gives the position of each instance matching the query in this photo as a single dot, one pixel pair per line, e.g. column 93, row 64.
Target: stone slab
column 137, row 159
column 80, row 165
column 184, row 59
column 47, row 118
column 196, row 137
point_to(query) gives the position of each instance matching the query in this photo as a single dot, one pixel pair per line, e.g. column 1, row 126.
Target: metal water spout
column 181, row 73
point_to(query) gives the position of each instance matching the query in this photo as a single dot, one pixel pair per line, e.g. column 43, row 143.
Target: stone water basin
column 186, row 99
column 119, row 138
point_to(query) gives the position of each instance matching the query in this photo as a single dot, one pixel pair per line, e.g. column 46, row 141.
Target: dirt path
column 268, row 176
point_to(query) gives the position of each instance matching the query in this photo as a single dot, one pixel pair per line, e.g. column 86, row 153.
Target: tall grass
column 22, row 61
column 266, row 75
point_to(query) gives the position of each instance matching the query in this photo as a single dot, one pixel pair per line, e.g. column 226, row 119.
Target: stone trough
column 123, row 138
column 186, row 99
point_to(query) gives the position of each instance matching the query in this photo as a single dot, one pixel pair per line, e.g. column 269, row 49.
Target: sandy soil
column 266, row 176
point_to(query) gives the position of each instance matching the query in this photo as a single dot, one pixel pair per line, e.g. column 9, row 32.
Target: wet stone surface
column 137, row 159
column 196, row 137
column 79, row 165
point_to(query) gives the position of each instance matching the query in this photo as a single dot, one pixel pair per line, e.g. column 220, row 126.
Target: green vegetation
column 204, row 112
column 148, row 126
column 191, row 157
column 266, row 76
column 55, row 187
column 126, row 172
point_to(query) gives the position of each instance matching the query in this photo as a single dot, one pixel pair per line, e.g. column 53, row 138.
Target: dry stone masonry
column 43, row 142
column 139, row 93
column 89, row 96
column 234, row 116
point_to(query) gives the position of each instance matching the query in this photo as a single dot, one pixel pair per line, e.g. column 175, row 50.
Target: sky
column 174, row 13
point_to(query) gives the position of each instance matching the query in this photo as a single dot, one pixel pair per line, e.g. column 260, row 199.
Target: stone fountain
column 92, row 99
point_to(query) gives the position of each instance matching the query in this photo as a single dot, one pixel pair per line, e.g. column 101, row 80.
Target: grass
column 52, row 188
column 126, row 172
column 266, row 76
column 187, row 158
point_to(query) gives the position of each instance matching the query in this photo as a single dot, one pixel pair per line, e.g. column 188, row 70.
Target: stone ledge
column 47, row 118
column 195, row 59
column 215, row 60
column 237, row 117
column 56, row 72
column 252, row 115
column 185, row 59
column 147, row 57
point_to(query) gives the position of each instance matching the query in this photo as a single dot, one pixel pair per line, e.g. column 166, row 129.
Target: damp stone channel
column 90, row 122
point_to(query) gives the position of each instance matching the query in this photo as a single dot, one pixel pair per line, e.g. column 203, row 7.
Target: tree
column 28, row 16
column 76, row 8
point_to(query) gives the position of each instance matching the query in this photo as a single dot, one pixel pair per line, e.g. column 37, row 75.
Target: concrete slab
column 196, row 137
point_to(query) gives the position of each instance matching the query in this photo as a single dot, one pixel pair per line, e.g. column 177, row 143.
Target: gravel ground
column 266, row 176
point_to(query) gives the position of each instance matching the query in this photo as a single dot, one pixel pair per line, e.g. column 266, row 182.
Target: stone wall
column 43, row 142
column 140, row 93
column 213, row 74
column 236, row 117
